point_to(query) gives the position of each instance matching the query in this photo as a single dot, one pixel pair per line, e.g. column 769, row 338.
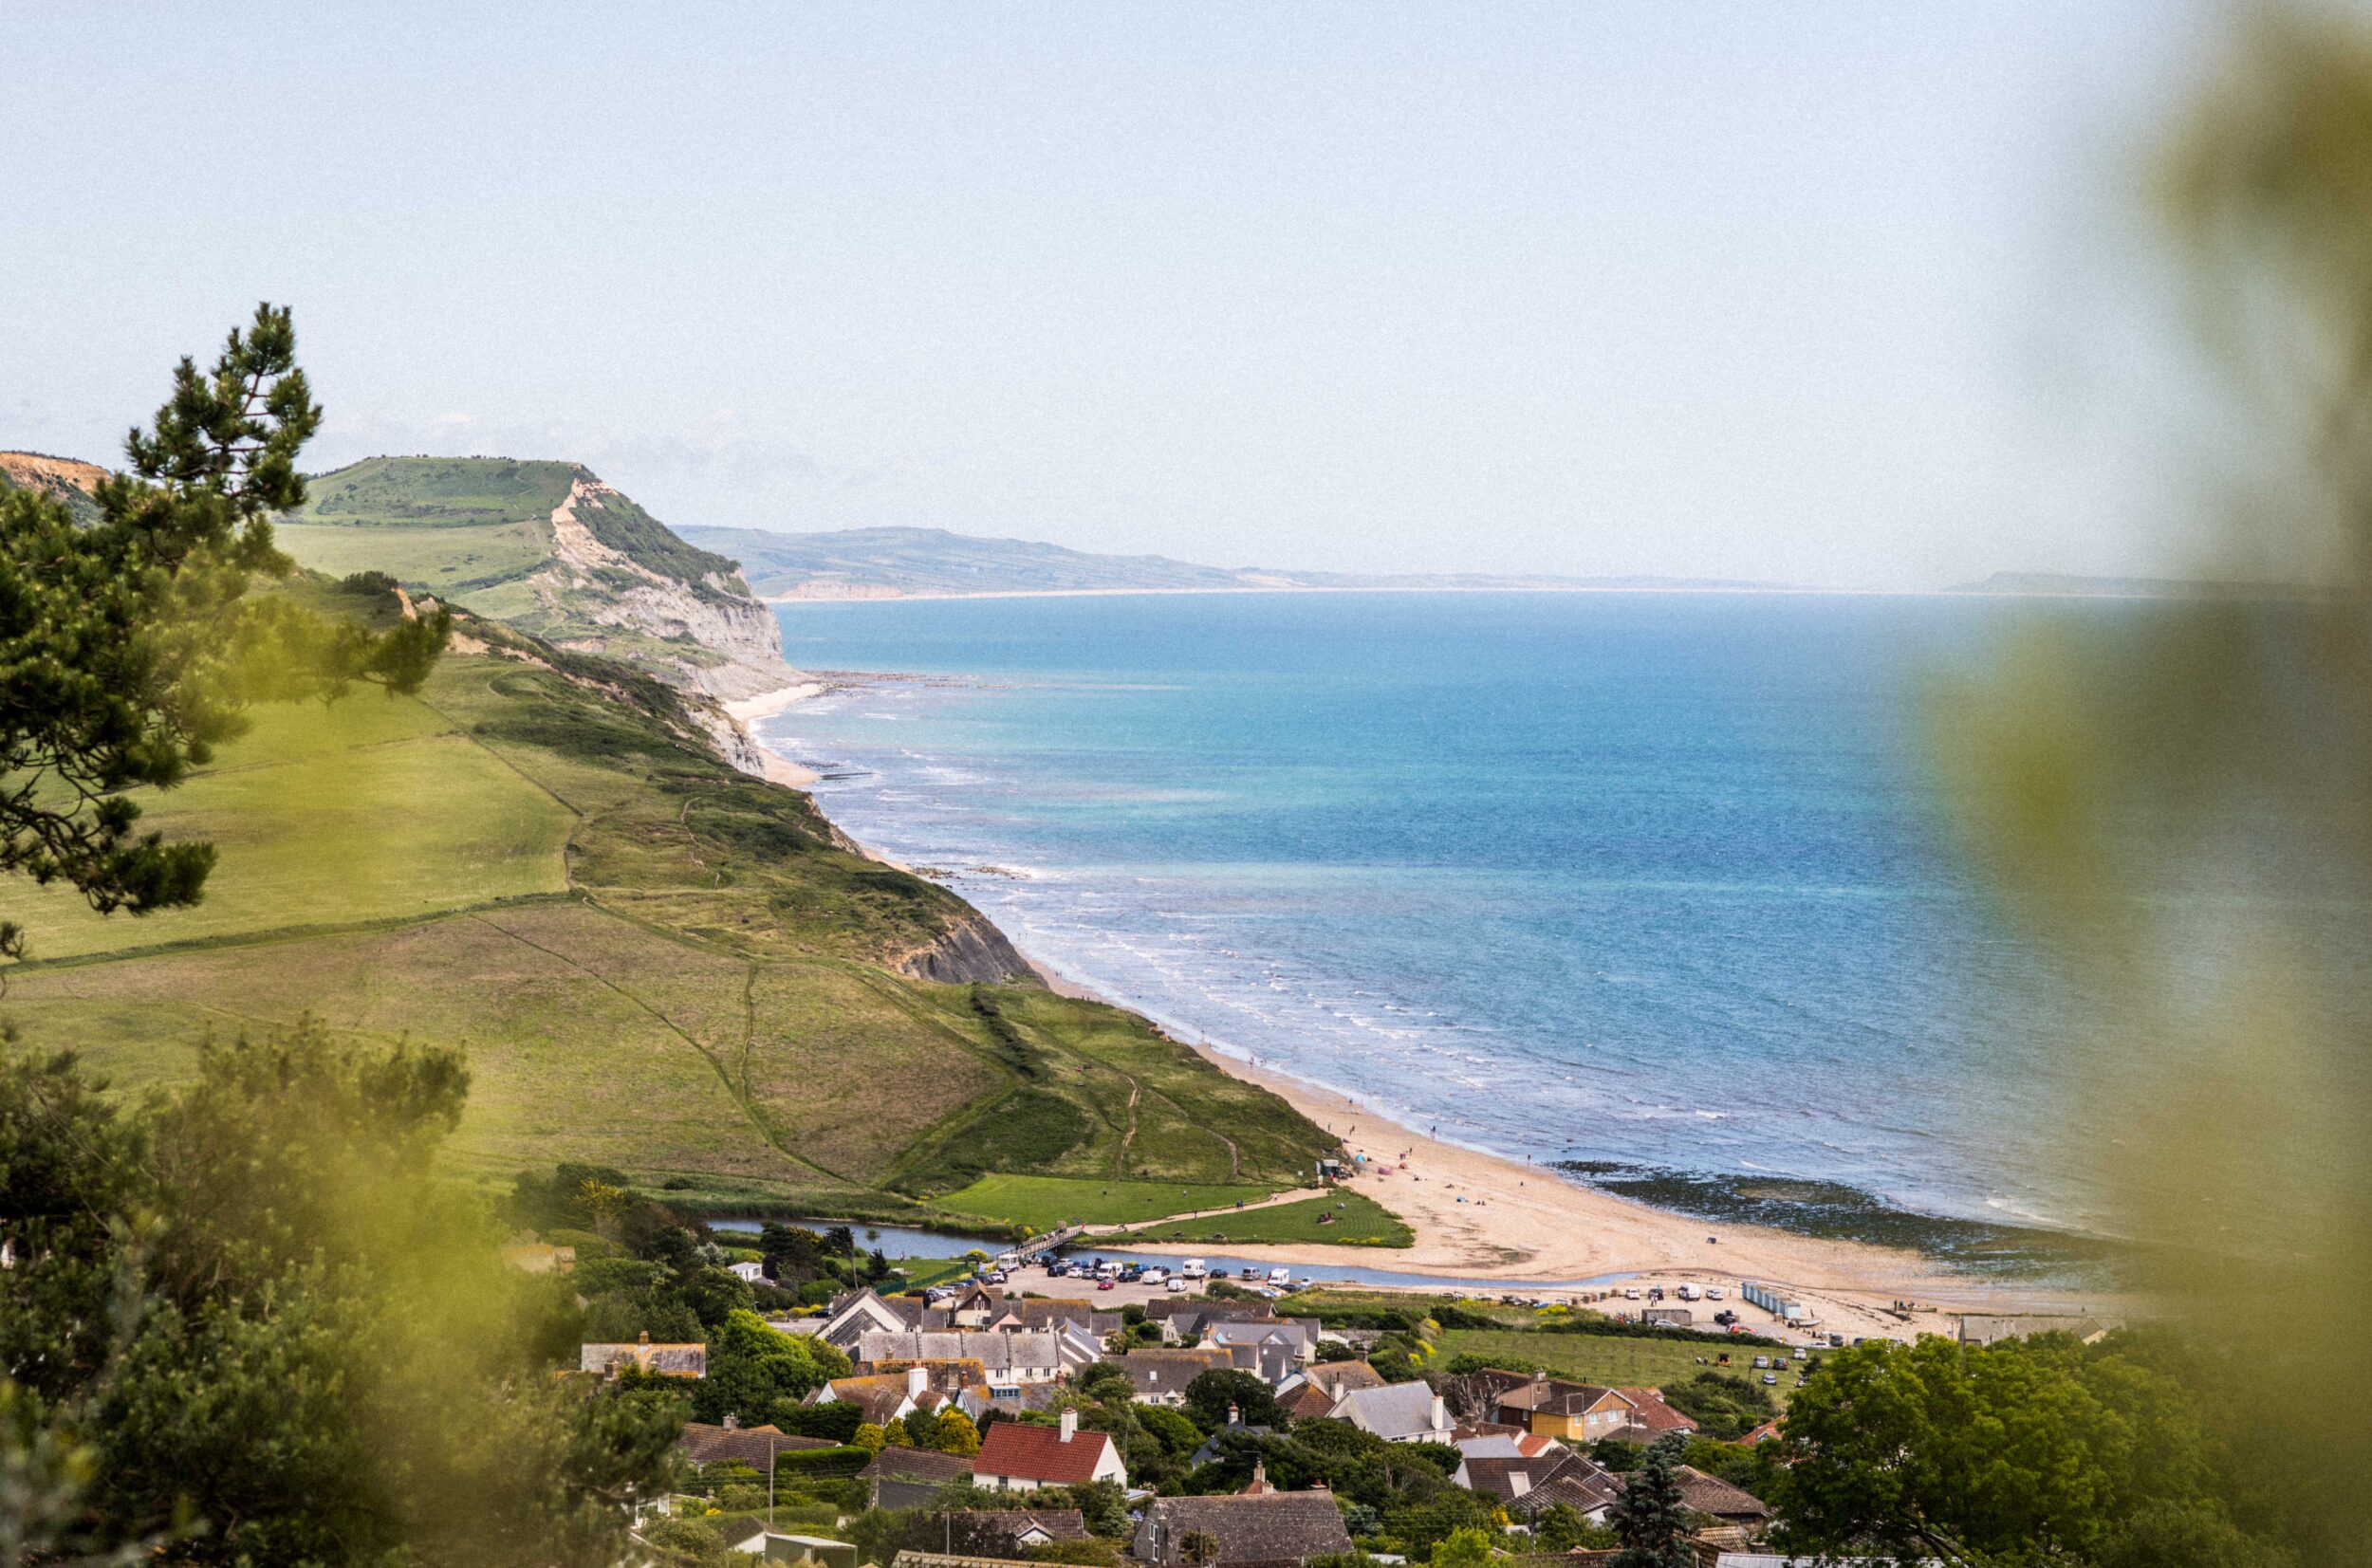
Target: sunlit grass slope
column 653, row 961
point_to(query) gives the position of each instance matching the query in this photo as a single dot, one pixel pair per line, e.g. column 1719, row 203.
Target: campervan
column 1195, row 1269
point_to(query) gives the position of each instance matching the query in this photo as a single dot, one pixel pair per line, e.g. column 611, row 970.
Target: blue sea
column 1657, row 879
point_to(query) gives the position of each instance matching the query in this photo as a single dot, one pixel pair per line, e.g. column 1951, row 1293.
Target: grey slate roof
column 996, row 1353
column 1395, row 1410
column 1275, row 1528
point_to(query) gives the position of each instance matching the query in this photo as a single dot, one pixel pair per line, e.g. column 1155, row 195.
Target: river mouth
column 890, row 1241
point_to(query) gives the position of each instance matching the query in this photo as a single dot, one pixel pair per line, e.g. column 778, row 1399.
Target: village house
column 812, row 1551
column 1717, row 1498
column 1263, row 1527
column 704, row 1443
column 1528, row 1487
column 901, row 1477
column 665, row 1360
column 1007, row 1360
column 882, row 1397
column 1161, row 1376
column 1577, row 1412
column 1314, row 1391
column 747, row 1273
column 1030, row 1313
column 1651, row 1417
column 1020, row 1457
column 1398, row 1413
column 1012, row 1533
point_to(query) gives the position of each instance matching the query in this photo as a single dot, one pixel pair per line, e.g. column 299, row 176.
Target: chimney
column 918, row 1382
column 1441, row 1414
column 732, row 1421
column 1070, row 1424
column 1234, row 1416
column 1519, row 1483
column 644, row 1338
column 1540, row 1374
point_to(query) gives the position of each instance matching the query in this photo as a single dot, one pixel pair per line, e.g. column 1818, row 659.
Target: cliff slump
column 969, row 952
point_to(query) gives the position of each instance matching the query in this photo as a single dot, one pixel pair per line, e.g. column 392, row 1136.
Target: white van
column 1194, row 1269
column 1153, row 1277
column 1689, row 1293
column 1281, row 1278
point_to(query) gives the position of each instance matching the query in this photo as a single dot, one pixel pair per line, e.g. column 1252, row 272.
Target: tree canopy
column 130, row 648
column 263, row 1335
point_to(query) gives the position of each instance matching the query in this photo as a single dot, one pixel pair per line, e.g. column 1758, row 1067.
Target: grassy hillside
column 654, row 961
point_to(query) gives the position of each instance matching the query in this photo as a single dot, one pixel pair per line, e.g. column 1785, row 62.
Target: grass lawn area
column 1357, row 1221
column 923, row 1273
column 369, row 808
column 1042, row 1203
column 1608, row 1359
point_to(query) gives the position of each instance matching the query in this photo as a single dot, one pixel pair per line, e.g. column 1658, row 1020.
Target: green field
column 1358, row 1221
column 1043, row 1203
column 1609, row 1358
column 454, row 525
column 365, row 809
column 652, row 962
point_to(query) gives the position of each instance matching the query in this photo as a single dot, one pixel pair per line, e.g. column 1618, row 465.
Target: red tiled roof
column 1039, row 1453
column 1654, row 1414
column 1763, row 1433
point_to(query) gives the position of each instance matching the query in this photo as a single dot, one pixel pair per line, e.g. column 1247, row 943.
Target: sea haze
column 1651, row 879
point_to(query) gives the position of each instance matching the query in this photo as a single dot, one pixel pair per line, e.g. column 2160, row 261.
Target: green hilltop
column 551, row 549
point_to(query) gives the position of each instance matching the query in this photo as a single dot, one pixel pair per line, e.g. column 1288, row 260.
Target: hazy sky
column 1844, row 294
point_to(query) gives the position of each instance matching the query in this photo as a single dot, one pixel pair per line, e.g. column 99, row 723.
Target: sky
column 1854, row 294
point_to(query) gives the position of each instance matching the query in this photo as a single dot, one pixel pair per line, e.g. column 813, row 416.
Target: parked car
column 1175, row 1287
column 1771, row 1377
column 1106, row 1283
column 1761, row 1361
column 1630, row 1293
column 1654, row 1293
column 1280, row 1277
column 1195, row 1269
column 1712, row 1293
column 1689, row 1293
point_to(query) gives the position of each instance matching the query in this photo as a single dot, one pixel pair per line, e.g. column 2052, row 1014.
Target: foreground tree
column 129, row 649
column 260, row 1332
column 2045, row 1448
column 1650, row 1518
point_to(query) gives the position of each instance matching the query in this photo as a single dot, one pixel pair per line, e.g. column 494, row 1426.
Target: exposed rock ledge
column 974, row 951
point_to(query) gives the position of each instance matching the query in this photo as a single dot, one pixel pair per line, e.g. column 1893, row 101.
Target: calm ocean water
column 1651, row 879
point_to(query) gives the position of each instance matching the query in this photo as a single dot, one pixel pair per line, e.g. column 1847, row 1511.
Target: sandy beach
column 1483, row 1218
column 746, row 711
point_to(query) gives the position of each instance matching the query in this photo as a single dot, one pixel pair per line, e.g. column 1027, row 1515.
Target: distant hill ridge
column 895, row 563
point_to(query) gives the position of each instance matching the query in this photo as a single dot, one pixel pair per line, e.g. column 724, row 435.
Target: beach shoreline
column 1483, row 1218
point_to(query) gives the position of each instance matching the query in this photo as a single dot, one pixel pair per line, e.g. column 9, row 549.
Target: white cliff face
column 737, row 647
